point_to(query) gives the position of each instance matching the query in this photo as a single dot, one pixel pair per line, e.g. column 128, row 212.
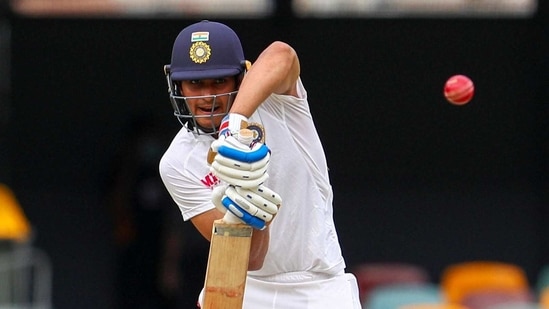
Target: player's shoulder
column 186, row 151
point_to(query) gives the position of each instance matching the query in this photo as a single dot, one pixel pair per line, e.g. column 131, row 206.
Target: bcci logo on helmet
column 200, row 52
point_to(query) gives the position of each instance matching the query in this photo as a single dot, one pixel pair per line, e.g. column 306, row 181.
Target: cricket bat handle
column 230, row 218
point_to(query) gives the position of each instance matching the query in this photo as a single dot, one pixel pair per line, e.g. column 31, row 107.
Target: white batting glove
column 231, row 124
column 256, row 207
column 217, row 195
column 239, row 160
column 239, row 164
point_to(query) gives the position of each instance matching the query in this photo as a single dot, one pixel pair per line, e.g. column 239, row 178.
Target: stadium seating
column 461, row 279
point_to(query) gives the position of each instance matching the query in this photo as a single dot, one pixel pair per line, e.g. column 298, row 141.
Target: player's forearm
column 275, row 71
column 259, row 247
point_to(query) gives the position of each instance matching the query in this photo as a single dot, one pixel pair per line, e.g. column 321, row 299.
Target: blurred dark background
column 415, row 179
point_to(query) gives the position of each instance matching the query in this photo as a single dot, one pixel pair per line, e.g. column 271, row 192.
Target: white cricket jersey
column 303, row 236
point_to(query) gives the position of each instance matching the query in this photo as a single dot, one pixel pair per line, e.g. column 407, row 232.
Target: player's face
column 207, row 105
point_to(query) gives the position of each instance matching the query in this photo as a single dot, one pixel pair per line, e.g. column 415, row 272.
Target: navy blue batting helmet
column 206, row 50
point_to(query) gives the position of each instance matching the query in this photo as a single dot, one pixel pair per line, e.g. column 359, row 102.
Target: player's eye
column 220, row 80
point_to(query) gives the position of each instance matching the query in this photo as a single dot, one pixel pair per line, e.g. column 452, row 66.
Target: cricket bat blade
column 227, row 265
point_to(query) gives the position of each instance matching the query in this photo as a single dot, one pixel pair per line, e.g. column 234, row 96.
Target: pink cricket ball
column 459, row 89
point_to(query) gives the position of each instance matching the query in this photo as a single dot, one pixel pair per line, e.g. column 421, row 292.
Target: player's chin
column 209, row 122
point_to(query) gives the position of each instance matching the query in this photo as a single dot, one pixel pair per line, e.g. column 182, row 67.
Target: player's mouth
column 209, row 109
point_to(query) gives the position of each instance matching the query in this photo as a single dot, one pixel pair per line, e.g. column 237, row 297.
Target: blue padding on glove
column 252, row 221
column 244, row 156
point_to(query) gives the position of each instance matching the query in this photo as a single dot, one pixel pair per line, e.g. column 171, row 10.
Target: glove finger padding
column 247, row 206
column 245, row 179
column 243, row 166
column 239, row 164
column 223, row 203
column 256, row 207
column 267, row 202
column 242, row 214
column 269, row 195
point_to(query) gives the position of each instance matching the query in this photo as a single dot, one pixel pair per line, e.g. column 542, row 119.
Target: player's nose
column 207, row 93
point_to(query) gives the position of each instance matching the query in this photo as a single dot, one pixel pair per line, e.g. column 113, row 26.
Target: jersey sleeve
column 188, row 181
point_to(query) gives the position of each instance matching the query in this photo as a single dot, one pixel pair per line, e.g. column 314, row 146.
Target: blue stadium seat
column 398, row 295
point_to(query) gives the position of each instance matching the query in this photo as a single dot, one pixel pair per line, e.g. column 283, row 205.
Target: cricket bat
column 227, row 265
column 228, row 260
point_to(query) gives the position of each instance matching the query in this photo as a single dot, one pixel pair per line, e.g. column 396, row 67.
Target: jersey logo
column 210, row 180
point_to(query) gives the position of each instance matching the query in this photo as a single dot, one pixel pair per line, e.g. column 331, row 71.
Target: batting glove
column 231, row 124
column 217, row 195
column 256, row 207
column 239, row 160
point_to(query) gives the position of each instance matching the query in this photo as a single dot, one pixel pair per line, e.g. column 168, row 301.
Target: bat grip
column 231, row 218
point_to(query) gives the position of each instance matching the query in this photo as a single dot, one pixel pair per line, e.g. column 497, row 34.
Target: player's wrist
column 232, row 123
